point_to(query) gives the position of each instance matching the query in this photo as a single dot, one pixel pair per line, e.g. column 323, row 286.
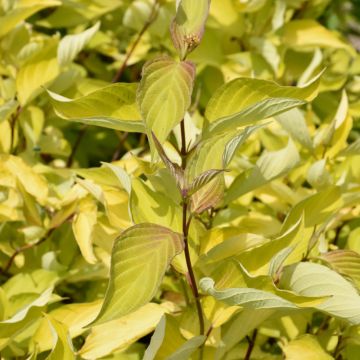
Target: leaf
column 22, row 11
column 117, row 334
column 25, row 316
column 246, row 297
column 188, row 348
column 39, row 70
column 269, row 166
column 239, row 327
column 293, row 121
column 121, row 175
column 345, row 262
column 139, row 260
column 187, row 28
column 74, row 316
column 7, row 109
column 203, row 179
column 352, row 150
column 83, row 228
column 156, row 340
column 305, row 347
column 318, row 176
column 176, row 171
column 244, row 101
column 71, row 45
column 309, row 279
column 113, row 106
column 63, row 348
column 309, row 33
column 164, row 94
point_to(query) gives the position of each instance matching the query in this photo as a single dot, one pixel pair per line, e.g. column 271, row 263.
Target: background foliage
column 277, row 252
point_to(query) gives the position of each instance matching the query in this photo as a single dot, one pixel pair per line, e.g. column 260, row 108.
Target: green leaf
column 113, row 106
column 74, row 316
column 25, row 316
column 305, row 347
column 164, row 94
column 269, row 166
column 39, row 70
column 309, row 279
column 7, row 109
column 309, row 33
column 71, row 45
column 187, row 28
column 293, row 121
column 244, row 101
column 345, row 262
column 246, row 297
column 203, row 179
column 156, row 340
column 21, row 11
column 139, row 260
column 187, row 349
column 318, row 176
column 118, row 334
column 63, row 348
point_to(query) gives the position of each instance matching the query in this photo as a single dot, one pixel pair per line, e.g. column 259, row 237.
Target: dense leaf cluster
column 179, row 179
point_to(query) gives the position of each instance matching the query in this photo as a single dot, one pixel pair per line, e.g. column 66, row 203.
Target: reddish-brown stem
column 251, row 345
column 185, row 228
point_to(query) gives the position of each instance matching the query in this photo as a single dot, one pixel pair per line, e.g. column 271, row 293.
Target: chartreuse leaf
column 71, row 45
column 118, row 334
column 63, row 348
column 269, row 166
column 74, row 316
column 246, row 297
column 164, row 94
column 25, row 316
column 213, row 154
column 309, row 33
column 7, row 109
column 187, row 28
column 293, row 121
column 83, row 228
column 309, row 279
column 39, row 70
column 244, row 101
column 156, row 340
column 305, row 347
column 21, row 11
column 187, row 349
column 139, row 260
column 345, row 262
column 113, row 106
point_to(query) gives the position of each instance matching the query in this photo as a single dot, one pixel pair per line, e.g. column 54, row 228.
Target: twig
column 151, row 19
column 23, row 248
column 251, row 345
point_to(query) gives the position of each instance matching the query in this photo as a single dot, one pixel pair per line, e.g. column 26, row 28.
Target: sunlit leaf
column 71, row 45
column 113, row 107
column 244, row 101
column 131, row 283
column 117, row 334
column 164, row 94
column 309, row 279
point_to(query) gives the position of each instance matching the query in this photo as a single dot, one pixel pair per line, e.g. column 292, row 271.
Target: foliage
column 179, row 179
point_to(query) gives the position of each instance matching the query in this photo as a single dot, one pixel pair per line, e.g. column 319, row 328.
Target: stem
column 22, row 249
column 185, row 228
column 251, row 345
column 152, row 18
